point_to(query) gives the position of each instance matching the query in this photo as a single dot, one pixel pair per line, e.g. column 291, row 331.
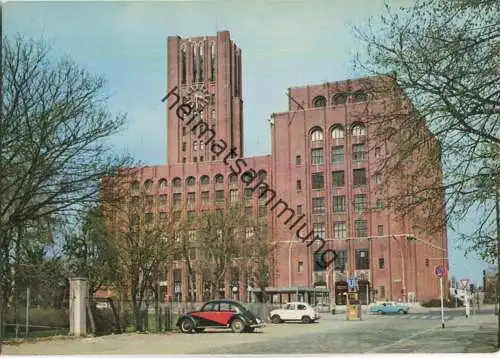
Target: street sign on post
column 440, row 271
column 464, row 282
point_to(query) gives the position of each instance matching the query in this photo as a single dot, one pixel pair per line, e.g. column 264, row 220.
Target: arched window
column 135, row 187
column 247, row 177
column 177, row 182
column 316, row 135
column 204, row 180
column 319, row 101
column 162, row 184
column 219, row 179
column 358, row 129
column 213, row 115
column 195, row 145
column 262, row 175
column 340, row 99
column 202, row 145
column 190, row 181
column 337, row 132
column 148, row 184
column 360, row 96
column 233, row 178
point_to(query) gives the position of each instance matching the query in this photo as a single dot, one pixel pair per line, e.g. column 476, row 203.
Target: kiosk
column 353, row 302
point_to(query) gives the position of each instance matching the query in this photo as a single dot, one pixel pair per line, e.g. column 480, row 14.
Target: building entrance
column 341, row 293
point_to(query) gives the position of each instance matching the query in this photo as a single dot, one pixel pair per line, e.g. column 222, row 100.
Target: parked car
column 295, row 311
column 220, row 314
column 389, row 307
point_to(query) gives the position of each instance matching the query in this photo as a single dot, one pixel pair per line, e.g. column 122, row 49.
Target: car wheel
column 405, row 312
column 238, row 326
column 306, row 319
column 276, row 319
column 199, row 330
column 186, row 326
column 381, row 312
column 401, row 311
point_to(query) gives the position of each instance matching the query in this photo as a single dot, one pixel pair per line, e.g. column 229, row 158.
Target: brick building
column 323, row 168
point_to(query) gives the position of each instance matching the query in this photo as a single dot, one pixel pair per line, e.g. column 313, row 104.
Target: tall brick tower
column 207, row 73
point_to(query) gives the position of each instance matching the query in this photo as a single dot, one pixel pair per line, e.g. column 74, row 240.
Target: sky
column 284, row 44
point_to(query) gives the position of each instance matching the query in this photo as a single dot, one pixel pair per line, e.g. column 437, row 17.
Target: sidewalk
column 471, row 335
column 485, row 340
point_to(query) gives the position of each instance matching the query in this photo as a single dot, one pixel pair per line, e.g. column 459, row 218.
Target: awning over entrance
column 281, row 295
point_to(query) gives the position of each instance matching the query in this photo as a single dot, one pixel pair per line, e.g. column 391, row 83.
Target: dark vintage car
column 221, row 313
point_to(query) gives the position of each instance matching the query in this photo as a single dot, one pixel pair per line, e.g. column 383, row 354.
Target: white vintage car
column 295, row 311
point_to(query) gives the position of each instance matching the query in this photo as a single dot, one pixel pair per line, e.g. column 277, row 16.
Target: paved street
column 378, row 334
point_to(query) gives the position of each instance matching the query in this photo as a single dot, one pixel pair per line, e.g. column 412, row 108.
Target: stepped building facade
column 322, row 175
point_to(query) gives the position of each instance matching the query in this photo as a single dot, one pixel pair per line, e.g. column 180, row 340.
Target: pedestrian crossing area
column 424, row 317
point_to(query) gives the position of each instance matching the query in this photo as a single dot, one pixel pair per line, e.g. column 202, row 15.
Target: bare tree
column 220, row 243
column 142, row 237
column 259, row 248
column 90, row 252
column 439, row 63
column 53, row 130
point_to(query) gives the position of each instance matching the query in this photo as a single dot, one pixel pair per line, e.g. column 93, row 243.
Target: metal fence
column 26, row 318
column 31, row 315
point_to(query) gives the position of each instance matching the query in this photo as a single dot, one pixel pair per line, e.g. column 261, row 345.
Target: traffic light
column 471, row 288
column 427, row 262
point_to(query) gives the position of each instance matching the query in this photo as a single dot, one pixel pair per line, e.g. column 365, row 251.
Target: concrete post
column 78, row 306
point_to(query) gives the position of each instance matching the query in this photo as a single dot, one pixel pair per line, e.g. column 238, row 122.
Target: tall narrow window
column 213, row 64
column 339, row 230
column 236, row 75
column 362, row 259
column 200, row 63
column 183, row 65
column 317, row 156
column 318, row 180
column 213, row 116
column 318, row 205
column 194, row 63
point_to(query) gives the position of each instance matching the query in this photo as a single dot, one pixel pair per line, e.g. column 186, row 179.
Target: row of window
column 362, row 261
column 339, row 229
column 338, row 154
column 191, row 181
column 340, row 98
column 197, row 60
column 360, row 204
column 337, row 132
column 359, row 178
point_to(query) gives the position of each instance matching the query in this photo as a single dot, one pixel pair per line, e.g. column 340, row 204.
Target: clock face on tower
column 197, row 97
